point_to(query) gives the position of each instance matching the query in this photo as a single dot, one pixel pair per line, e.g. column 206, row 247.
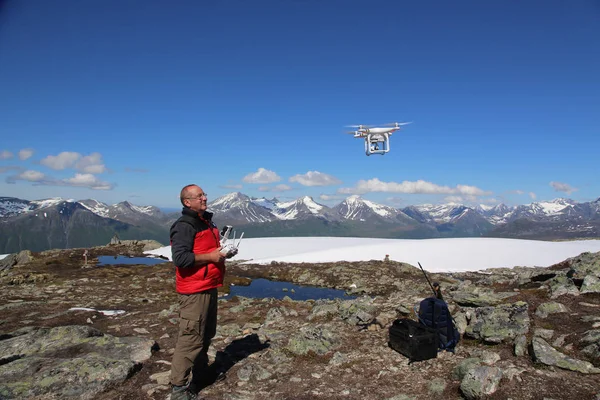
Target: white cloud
column 79, row 180
column 516, row 192
column 91, row 164
column 563, row 187
column 315, row 178
column 31, row 176
column 262, row 176
column 64, row 160
column 24, row 154
column 532, row 195
column 418, row 187
column 278, row 188
column 5, row 155
column 87, row 180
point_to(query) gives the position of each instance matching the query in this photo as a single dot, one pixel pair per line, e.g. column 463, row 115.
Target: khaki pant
column 197, row 326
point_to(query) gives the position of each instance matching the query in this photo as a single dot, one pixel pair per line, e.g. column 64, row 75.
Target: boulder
column 546, row 354
column 480, row 382
column 591, row 284
column 552, row 307
column 497, row 324
column 478, row 297
column 69, row 361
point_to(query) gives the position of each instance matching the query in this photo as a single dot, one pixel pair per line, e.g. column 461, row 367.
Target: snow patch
column 436, row 255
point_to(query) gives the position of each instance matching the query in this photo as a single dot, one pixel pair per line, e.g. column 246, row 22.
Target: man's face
column 196, row 199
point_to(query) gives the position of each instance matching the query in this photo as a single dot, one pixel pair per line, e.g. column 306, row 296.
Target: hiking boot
column 182, row 393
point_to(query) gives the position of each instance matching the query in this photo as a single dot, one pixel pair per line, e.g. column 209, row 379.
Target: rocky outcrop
column 94, row 331
column 480, row 381
column 498, row 324
column 480, row 297
column 68, row 361
column 548, row 308
column 546, row 354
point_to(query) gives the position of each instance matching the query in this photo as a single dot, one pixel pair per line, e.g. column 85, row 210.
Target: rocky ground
column 527, row 333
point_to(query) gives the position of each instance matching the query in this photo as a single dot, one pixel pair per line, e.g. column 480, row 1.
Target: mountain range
column 58, row 223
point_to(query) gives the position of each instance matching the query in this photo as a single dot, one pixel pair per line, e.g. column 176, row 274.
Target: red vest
column 204, row 277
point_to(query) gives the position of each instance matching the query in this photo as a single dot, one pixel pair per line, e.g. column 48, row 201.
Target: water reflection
column 261, row 288
column 113, row 260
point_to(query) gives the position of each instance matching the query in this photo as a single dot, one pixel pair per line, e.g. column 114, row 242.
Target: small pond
column 261, row 288
column 113, row 260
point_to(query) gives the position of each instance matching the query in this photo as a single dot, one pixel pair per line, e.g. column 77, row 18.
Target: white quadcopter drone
column 377, row 139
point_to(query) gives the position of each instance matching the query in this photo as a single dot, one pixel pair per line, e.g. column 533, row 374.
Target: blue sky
column 131, row 100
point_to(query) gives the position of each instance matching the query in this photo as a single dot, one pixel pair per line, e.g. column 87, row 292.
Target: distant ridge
column 41, row 224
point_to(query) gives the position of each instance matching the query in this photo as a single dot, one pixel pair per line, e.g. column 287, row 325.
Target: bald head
column 186, row 192
column 192, row 196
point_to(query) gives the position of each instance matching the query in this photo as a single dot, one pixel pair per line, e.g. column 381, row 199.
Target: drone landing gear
column 377, row 145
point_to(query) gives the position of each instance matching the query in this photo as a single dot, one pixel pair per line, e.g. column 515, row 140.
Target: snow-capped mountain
column 354, row 216
column 126, row 212
column 96, row 207
column 302, row 208
column 451, row 219
column 11, row 206
column 552, row 210
column 355, row 208
column 269, row 204
column 440, row 214
column 66, row 224
column 496, row 215
column 236, row 208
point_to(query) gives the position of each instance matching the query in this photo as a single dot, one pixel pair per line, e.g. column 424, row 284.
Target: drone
column 377, row 139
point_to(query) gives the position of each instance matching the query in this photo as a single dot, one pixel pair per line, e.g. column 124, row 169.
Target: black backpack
column 434, row 313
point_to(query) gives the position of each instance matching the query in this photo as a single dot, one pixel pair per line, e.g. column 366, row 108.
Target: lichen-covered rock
column 591, row 284
column 552, row 307
column 101, row 360
column 562, row 285
column 480, row 297
column 497, row 324
column 546, row 354
column 324, row 310
column 460, row 371
column 360, row 311
column 585, row 264
column 545, row 334
column 480, row 382
column 520, row 345
column 314, row 339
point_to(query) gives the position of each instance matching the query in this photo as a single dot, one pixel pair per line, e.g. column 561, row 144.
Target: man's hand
column 216, row 256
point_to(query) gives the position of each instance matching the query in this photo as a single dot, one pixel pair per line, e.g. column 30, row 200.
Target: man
column 200, row 268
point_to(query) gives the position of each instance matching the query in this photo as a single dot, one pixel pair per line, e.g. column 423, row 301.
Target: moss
column 49, row 381
column 16, row 389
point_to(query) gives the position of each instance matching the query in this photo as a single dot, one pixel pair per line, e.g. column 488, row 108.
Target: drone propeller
column 357, row 126
column 397, row 123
